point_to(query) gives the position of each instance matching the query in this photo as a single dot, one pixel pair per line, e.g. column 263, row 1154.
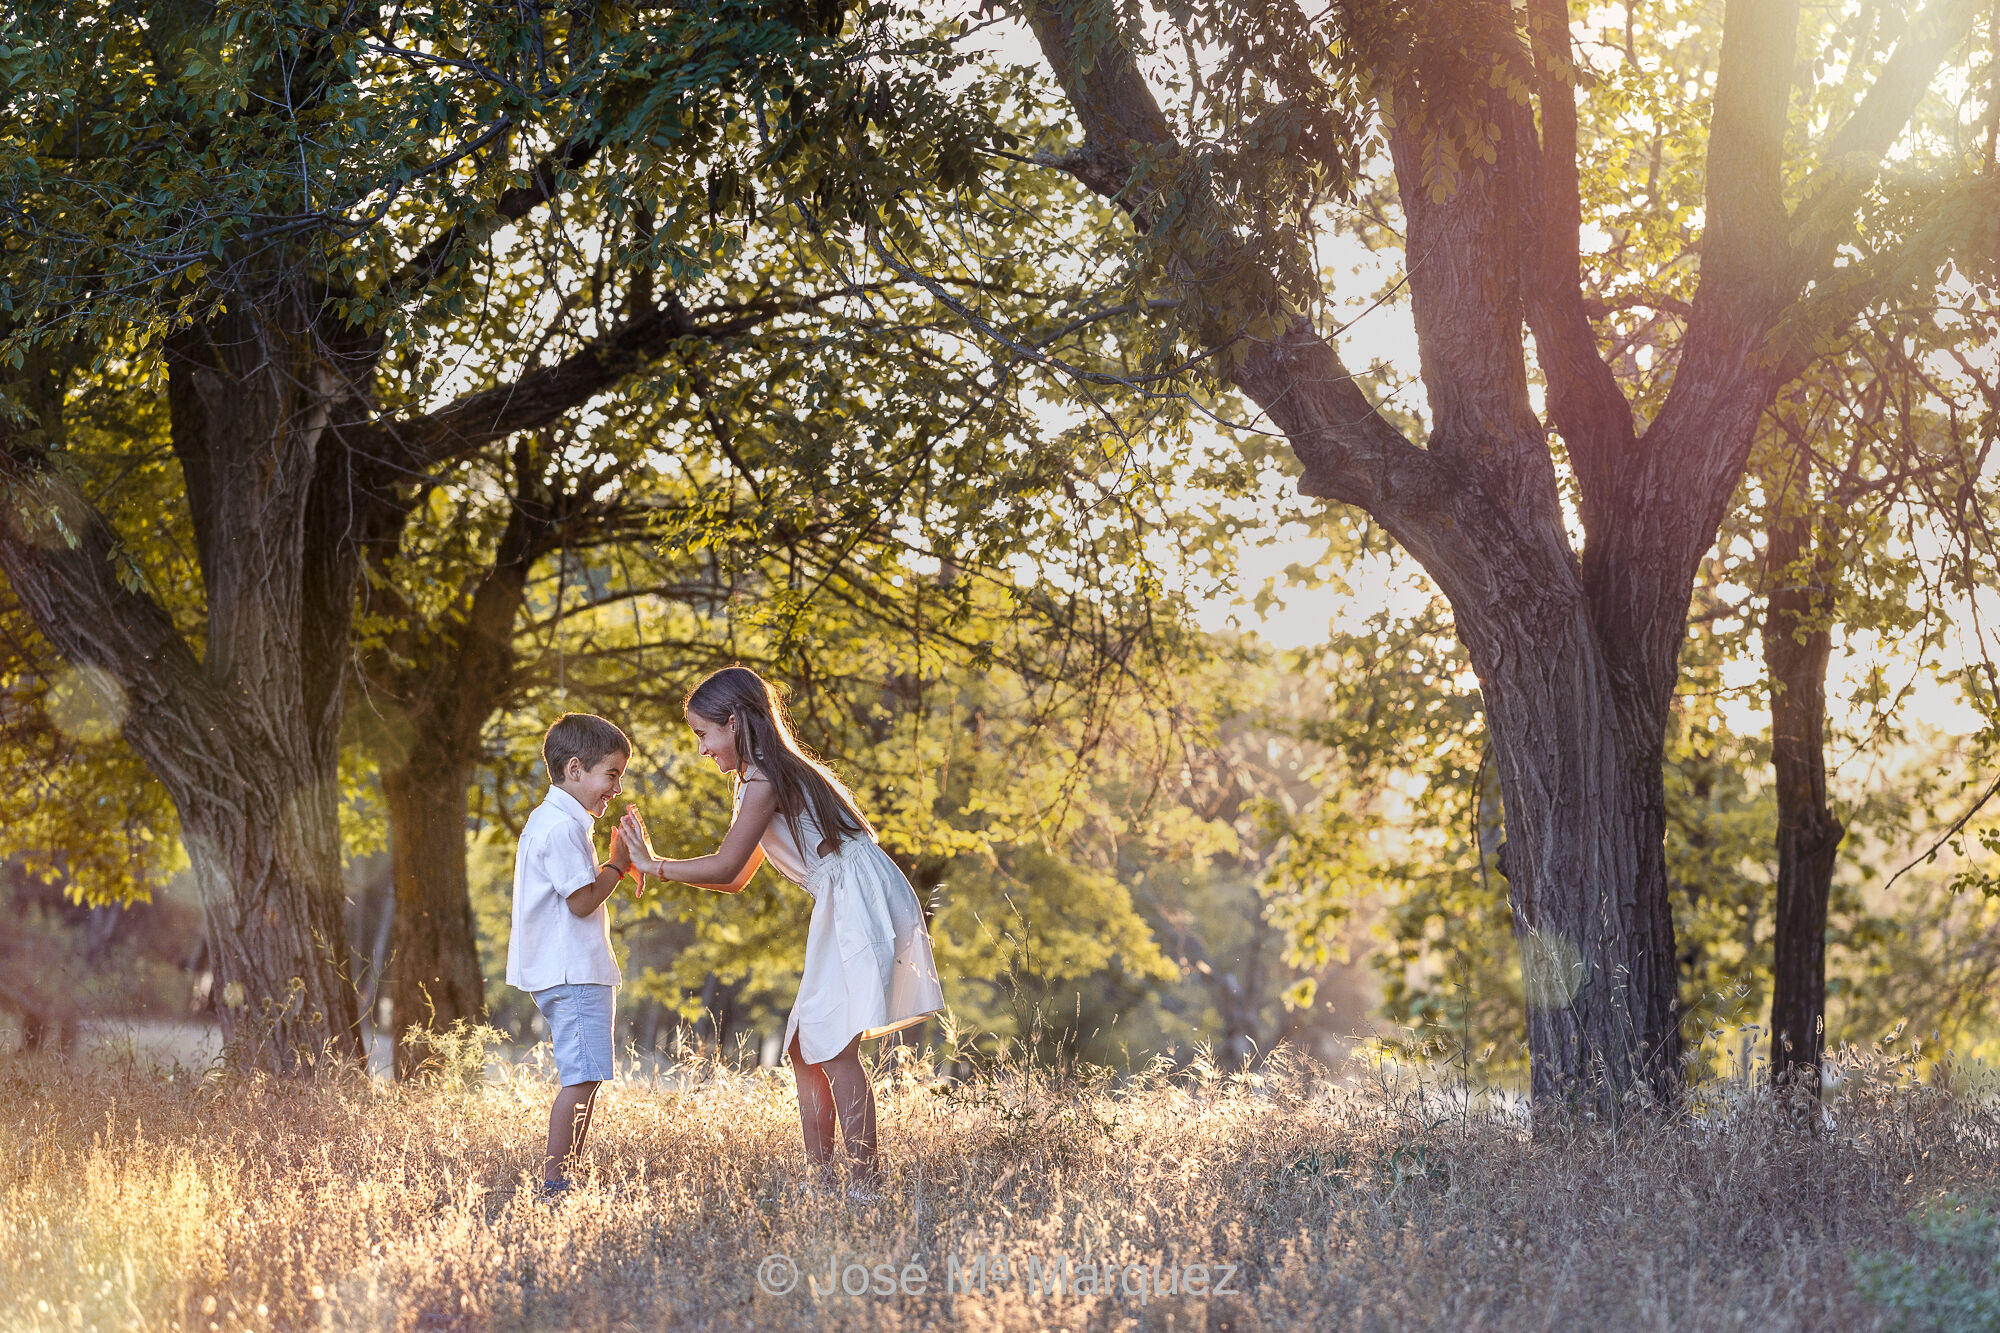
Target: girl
column 868, row 967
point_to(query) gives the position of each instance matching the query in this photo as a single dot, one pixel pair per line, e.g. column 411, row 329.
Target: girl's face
column 717, row 740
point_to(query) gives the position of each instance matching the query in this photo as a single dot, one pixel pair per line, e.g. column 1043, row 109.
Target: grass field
column 131, row 1200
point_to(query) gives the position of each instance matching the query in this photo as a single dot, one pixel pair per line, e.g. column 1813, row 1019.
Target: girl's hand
column 633, row 829
column 621, row 861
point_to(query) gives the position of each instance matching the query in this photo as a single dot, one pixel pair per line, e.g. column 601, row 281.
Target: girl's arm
column 729, row 867
column 736, row 885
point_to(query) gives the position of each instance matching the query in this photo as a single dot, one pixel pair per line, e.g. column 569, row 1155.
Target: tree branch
column 512, row 205
column 1852, row 156
column 1585, row 403
column 542, row 397
column 1349, row 450
column 1639, row 566
column 1744, row 243
column 1892, row 99
column 538, row 398
column 57, row 552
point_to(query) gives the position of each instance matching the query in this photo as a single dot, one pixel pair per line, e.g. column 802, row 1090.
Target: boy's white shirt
column 551, row 945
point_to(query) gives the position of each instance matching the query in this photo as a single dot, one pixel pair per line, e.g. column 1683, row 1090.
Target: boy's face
column 717, row 740
column 595, row 788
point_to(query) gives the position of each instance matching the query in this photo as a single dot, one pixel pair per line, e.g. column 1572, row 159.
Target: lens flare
column 86, row 704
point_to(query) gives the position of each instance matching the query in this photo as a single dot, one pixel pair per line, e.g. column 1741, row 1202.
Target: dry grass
column 131, row 1201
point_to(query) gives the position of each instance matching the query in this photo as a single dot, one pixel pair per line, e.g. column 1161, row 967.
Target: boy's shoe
column 856, row 1194
column 551, row 1190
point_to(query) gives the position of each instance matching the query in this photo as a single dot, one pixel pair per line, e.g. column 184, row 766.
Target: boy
column 560, row 949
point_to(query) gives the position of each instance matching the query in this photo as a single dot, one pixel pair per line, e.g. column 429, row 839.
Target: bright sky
column 1372, row 334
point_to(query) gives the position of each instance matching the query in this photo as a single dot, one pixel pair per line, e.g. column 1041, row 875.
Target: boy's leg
column 854, row 1098
column 569, row 1121
column 815, row 1107
column 580, row 1032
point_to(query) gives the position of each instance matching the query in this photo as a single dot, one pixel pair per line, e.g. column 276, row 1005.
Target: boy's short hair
column 584, row 736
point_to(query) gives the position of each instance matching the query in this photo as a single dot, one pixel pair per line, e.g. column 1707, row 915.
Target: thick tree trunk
column 1579, row 731
column 252, row 395
column 1797, row 643
column 1586, row 867
column 267, row 869
column 257, row 812
column 245, row 738
column 433, row 976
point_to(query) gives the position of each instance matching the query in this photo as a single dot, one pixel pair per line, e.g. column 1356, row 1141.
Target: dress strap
column 742, row 781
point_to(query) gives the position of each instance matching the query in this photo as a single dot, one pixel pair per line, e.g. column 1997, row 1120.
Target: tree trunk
column 1578, row 726
column 1584, row 857
column 1798, row 637
column 258, row 814
column 245, row 738
column 433, row 976
column 268, row 875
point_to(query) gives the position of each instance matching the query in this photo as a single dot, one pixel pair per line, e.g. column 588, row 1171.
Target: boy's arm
column 590, row 897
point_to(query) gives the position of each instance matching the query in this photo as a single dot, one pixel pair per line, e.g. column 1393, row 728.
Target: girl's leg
column 815, row 1107
column 854, row 1097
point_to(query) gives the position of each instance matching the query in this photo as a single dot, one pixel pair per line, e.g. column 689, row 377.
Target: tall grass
column 130, row 1199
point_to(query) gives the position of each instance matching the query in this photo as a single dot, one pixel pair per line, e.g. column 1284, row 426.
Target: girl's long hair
column 764, row 738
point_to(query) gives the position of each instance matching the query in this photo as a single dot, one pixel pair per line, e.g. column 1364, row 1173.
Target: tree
column 267, row 205
column 431, row 672
column 1869, row 459
column 1477, row 104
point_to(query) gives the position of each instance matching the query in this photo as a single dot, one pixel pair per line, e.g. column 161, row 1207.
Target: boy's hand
column 621, row 857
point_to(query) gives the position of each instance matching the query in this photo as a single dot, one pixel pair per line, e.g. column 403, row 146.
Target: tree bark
column 244, row 738
column 433, row 975
column 267, row 870
column 1585, row 858
column 1798, row 641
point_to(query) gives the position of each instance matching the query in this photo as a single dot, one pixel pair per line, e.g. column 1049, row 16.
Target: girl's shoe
column 549, row 1191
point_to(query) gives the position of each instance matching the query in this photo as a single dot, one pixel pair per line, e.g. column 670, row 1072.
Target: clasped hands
column 639, row 845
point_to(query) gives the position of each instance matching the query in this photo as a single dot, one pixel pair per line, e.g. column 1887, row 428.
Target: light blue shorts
column 579, row 1016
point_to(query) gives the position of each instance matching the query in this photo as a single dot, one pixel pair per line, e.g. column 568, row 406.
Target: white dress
column 869, row 969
